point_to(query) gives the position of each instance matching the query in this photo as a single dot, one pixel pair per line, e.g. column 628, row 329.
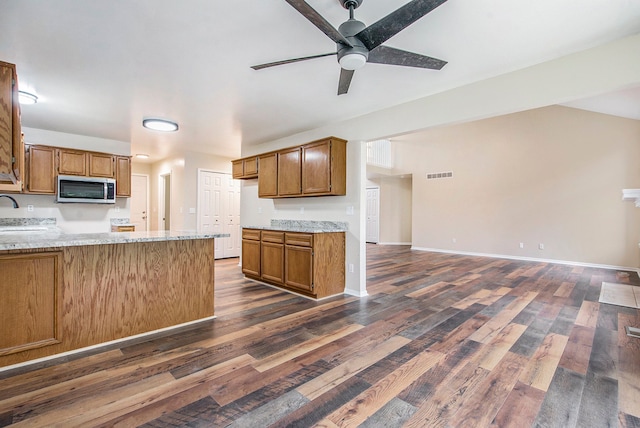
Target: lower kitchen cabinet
column 272, row 256
column 308, row 263
column 251, row 252
column 30, row 304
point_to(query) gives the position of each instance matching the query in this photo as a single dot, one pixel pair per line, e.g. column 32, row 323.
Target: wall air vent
column 434, row 175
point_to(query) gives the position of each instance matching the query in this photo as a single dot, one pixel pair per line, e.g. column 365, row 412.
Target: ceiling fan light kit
column 357, row 44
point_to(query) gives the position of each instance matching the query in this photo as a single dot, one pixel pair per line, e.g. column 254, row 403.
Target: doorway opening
column 165, row 201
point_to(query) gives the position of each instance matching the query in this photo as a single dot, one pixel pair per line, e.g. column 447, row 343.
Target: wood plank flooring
column 441, row 341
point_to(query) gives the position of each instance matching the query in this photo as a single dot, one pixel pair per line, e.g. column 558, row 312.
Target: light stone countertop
column 304, row 226
column 15, row 239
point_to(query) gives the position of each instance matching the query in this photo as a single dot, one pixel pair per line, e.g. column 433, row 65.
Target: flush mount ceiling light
column 27, row 97
column 142, row 156
column 163, row 125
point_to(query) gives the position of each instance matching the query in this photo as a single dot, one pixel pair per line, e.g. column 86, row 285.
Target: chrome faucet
column 15, row 204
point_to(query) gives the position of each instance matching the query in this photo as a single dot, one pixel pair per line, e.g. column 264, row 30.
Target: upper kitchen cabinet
column 123, row 175
column 44, row 163
column 324, row 167
column 72, row 162
column 245, row 168
column 318, row 168
column 101, row 165
column 268, row 176
column 41, row 169
column 11, row 150
column 289, row 164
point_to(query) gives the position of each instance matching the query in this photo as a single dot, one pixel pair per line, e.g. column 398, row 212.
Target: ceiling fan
column 358, row 44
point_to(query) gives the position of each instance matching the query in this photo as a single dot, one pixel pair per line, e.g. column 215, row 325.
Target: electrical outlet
column 351, row 267
column 301, row 210
column 522, row 245
column 454, row 240
column 541, row 246
column 350, row 210
column 117, row 209
column 259, row 210
column 29, row 207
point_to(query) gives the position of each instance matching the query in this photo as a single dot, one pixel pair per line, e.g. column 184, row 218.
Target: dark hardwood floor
column 442, row 340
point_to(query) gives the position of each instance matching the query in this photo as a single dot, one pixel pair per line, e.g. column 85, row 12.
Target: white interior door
column 373, row 214
column 232, row 245
column 139, row 201
column 210, row 207
column 219, row 210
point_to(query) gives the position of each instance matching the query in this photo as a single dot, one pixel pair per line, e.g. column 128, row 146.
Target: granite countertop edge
column 301, row 229
column 58, row 240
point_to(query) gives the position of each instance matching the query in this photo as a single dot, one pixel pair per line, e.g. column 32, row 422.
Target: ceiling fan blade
column 345, row 81
column 379, row 32
column 316, row 19
column 393, row 56
column 289, row 61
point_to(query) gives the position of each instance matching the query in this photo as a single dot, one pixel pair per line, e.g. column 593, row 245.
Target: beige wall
column 395, row 209
column 184, row 186
column 550, row 176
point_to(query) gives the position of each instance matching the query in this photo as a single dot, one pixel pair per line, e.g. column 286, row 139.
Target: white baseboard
column 394, row 243
column 530, row 259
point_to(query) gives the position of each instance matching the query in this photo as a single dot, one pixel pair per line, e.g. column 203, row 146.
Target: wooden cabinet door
column 237, row 168
column 316, row 168
column 268, row 176
column 273, row 262
column 11, row 149
column 250, row 167
column 289, row 164
column 29, row 308
column 298, row 268
column 123, row 176
column 72, row 162
column 101, row 165
column 251, row 257
column 41, row 164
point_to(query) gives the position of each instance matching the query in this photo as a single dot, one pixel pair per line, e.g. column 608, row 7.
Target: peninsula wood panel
column 118, row 290
column 29, row 311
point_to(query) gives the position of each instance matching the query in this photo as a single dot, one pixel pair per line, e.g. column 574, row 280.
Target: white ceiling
column 100, row 66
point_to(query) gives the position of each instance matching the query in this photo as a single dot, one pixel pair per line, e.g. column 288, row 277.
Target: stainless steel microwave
column 92, row 190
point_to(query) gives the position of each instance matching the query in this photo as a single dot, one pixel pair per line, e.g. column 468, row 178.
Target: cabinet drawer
column 271, row 236
column 299, row 239
column 251, row 234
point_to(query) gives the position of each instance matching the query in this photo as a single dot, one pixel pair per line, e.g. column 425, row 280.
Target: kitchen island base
column 101, row 293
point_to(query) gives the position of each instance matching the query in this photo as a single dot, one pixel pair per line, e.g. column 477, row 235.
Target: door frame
column 146, row 205
column 162, row 194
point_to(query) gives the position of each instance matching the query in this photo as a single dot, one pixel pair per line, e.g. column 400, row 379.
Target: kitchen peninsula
column 62, row 292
